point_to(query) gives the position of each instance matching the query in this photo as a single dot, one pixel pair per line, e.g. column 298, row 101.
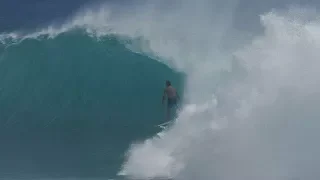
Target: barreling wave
column 249, row 107
column 71, row 104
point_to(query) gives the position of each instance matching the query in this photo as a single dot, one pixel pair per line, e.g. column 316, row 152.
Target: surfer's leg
column 168, row 114
column 169, row 108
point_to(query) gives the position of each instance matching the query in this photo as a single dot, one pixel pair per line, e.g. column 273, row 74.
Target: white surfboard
column 164, row 125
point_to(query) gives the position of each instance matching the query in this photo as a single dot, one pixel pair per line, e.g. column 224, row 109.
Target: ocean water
column 81, row 87
column 70, row 104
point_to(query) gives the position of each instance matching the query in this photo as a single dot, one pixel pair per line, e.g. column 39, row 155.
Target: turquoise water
column 70, row 106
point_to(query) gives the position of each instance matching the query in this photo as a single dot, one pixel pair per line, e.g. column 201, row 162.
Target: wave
column 71, row 105
column 249, row 102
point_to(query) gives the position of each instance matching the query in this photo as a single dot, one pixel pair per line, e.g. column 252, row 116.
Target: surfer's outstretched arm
column 164, row 96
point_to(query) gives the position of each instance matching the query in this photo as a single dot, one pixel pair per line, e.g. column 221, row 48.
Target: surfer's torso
column 171, row 92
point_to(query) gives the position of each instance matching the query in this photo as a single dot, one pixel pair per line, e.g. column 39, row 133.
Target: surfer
column 172, row 99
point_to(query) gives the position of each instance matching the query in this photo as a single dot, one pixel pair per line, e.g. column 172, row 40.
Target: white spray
column 261, row 123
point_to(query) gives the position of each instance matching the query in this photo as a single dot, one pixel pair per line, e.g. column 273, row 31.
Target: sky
column 28, row 14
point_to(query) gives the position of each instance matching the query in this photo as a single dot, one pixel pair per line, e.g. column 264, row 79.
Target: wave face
column 250, row 97
column 71, row 105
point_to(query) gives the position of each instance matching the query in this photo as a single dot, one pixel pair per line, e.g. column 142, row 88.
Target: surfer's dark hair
column 168, row 83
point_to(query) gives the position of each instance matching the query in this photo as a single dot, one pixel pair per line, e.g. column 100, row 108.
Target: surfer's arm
column 163, row 96
column 178, row 97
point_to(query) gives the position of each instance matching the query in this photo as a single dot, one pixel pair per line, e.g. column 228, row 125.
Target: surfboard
column 164, row 125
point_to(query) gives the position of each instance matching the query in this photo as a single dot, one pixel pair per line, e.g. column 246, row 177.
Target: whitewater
column 251, row 98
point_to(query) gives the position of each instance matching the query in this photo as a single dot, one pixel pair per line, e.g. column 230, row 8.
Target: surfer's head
column 168, row 83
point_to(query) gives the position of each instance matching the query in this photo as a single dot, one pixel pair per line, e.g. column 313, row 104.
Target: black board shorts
column 172, row 102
